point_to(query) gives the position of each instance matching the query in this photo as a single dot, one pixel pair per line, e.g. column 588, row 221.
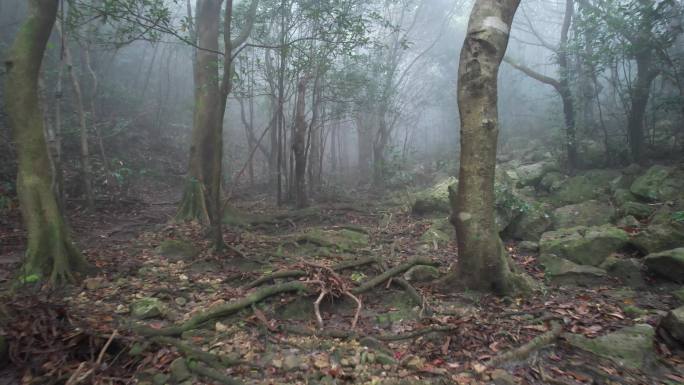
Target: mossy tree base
column 193, row 206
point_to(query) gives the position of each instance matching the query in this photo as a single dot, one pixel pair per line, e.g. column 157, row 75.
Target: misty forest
column 341, row 192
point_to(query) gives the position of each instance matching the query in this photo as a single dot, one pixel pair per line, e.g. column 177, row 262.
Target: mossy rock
column 658, row 237
column 622, row 196
column 679, row 294
column 179, row 370
column 630, row 347
column 563, row 272
column 338, row 240
column 674, row 323
column 177, row 249
column 637, row 210
column 532, row 174
column 592, row 184
column 148, row 307
column 441, row 232
column 584, row 245
column 660, row 183
column 668, row 264
column 552, row 181
column 434, row 199
column 530, row 224
column 627, row 270
column 589, row 213
column 422, row 273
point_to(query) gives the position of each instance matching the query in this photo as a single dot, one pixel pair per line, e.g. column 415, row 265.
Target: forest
column 330, row 192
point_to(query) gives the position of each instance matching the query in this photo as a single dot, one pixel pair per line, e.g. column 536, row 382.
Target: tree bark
column 50, row 251
column 482, row 262
column 640, row 94
column 299, row 145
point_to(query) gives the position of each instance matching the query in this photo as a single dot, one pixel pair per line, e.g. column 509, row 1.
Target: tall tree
column 50, row 251
column 482, row 261
column 202, row 196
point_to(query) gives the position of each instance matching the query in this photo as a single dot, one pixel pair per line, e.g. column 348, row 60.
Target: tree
column 202, row 195
column 482, row 262
column 50, row 251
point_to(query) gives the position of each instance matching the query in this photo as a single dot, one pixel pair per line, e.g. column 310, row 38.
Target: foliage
column 678, row 216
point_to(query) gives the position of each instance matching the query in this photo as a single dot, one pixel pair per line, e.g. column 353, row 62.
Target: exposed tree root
column 393, row 272
column 524, row 351
column 222, row 310
column 216, row 361
column 348, row 334
column 211, row 374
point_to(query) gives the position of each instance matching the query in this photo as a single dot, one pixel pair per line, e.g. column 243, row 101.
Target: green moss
column 631, row 347
column 584, row 245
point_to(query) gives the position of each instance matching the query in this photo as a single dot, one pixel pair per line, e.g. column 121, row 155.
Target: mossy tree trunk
column 50, row 251
column 482, row 262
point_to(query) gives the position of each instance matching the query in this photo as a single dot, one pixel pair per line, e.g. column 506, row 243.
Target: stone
column 592, row 184
column 589, row 213
column 342, row 240
column 679, row 294
column 530, row 224
column 627, row 270
column 160, row 379
column 434, row 199
column 637, row 210
column 292, row 362
column 622, row 196
column 584, row 245
column 668, row 264
column 674, row 323
column 532, row 174
column 628, row 222
column 502, row 377
column 422, row 274
column 440, row 232
column 179, row 370
column 148, row 307
column 563, row 272
column 660, row 183
column 177, row 249
column 94, row 283
column 658, row 237
column 528, row 247
column 552, row 181
column 630, row 347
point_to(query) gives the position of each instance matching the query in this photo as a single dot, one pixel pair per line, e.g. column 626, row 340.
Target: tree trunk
column 564, row 88
column 482, row 262
column 50, row 251
column 299, row 145
column 315, row 135
column 640, row 94
column 365, row 147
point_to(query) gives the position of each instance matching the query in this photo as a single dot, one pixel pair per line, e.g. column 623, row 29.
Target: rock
column 584, row 245
column 180, row 301
column 674, row 324
column 592, row 184
column 679, row 294
column 528, row 247
column 628, row 222
column 179, row 370
column 589, row 213
column 94, row 283
column 660, row 183
column 434, row 199
column 341, row 240
column 668, row 264
column 532, row 174
column 177, row 249
column 502, row 377
column 441, row 232
column 563, row 272
column 422, row 274
column 631, row 347
column 659, row 236
column 552, row 181
column 147, row 307
column 627, row 270
column 292, row 362
column 160, row 379
column 622, row 196
column 530, row 224
column 637, row 210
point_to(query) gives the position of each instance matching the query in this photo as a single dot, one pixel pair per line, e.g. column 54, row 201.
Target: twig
column 317, row 308
column 100, row 357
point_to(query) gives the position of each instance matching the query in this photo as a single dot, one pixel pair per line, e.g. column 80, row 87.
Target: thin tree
column 482, row 261
column 50, row 251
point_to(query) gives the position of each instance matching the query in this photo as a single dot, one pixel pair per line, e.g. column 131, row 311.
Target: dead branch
column 211, row 373
column 391, row 273
column 523, row 351
column 214, row 360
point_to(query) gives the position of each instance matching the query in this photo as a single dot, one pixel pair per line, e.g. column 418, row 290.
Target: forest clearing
column 342, row 192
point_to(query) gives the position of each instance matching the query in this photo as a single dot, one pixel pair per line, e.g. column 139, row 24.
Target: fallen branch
column 523, row 351
column 221, row 310
column 391, row 273
column 214, row 360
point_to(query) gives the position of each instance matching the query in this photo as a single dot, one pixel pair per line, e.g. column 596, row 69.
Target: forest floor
column 407, row 332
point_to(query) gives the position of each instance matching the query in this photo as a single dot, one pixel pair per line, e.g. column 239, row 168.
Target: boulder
column 592, row 184
column 532, row 174
column 530, row 224
column 637, row 210
column 660, row 183
column 628, row 222
column 528, row 247
column 148, row 307
column 584, row 245
column 435, row 199
column 552, row 181
column 630, row 347
column 422, row 274
column 508, row 204
column 563, row 272
column 627, row 270
column 668, row 264
column 622, row 196
column 177, row 249
column 440, row 232
column 589, row 213
column 658, row 237
column 673, row 323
